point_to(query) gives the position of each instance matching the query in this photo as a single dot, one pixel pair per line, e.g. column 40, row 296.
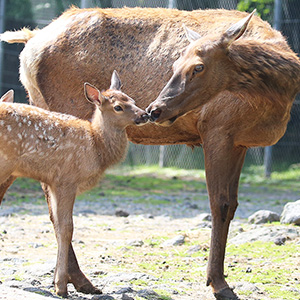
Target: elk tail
column 20, row 36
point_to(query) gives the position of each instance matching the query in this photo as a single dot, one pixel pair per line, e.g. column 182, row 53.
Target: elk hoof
column 226, row 294
column 62, row 294
column 89, row 289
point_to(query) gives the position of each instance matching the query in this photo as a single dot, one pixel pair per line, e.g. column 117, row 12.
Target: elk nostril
column 155, row 114
column 146, row 117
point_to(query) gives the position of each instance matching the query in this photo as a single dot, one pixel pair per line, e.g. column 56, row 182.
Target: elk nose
column 154, row 114
column 145, row 117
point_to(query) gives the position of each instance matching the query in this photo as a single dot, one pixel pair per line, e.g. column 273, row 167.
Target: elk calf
column 67, row 154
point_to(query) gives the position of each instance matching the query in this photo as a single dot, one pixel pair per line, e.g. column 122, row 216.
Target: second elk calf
column 67, row 154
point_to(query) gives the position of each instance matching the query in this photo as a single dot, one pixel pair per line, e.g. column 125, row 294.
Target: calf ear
column 8, row 96
column 236, row 30
column 93, row 95
column 115, row 83
column 191, row 34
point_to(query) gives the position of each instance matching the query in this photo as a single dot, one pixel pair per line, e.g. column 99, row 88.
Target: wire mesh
column 32, row 13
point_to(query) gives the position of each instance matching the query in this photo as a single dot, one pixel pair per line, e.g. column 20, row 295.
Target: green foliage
column 265, row 8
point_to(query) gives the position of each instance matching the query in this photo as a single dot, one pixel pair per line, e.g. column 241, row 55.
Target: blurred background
column 283, row 15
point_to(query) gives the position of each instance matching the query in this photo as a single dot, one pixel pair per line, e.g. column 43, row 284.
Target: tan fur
column 244, row 99
column 66, row 153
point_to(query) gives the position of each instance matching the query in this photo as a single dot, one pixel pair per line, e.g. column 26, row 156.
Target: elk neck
column 110, row 140
column 265, row 69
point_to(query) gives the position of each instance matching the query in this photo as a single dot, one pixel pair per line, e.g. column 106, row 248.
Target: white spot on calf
column 8, row 127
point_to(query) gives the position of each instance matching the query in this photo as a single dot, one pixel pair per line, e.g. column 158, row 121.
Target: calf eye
column 118, row 108
column 198, row 69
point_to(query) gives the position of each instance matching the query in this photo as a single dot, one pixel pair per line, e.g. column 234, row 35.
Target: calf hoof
column 226, row 294
column 88, row 288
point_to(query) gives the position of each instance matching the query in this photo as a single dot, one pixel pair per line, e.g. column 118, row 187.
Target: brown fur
column 243, row 100
column 69, row 155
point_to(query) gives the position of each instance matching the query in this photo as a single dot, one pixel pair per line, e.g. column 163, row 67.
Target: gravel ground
column 103, row 241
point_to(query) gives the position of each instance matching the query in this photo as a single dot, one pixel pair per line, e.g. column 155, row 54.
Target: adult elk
column 232, row 88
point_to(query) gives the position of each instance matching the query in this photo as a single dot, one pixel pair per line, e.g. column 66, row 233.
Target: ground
column 132, row 256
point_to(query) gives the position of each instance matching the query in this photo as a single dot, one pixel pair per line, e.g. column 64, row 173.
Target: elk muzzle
column 142, row 119
column 165, row 108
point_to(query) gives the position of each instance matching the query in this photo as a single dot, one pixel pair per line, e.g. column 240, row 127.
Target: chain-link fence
column 284, row 15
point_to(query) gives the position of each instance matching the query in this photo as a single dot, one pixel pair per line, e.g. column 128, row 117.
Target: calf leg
column 5, row 185
column 223, row 164
column 76, row 276
column 61, row 200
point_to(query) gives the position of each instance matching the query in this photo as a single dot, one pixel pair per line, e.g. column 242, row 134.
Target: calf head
column 115, row 105
column 202, row 71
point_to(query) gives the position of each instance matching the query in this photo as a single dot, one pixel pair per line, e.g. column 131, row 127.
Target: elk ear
column 191, row 34
column 93, row 95
column 236, row 30
column 115, row 83
column 8, row 97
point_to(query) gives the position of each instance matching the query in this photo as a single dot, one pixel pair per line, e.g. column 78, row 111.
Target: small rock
column 35, row 282
column 280, row 240
column 87, row 212
column 291, row 213
column 192, row 205
column 39, row 291
column 126, row 297
column 125, row 290
column 148, row 294
column 263, row 216
column 194, row 249
column 204, row 224
column 176, row 241
column 246, row 286
column 265, row 234
column 136, row 243
column 121, row 213
column 204, row 217
column 102, row 297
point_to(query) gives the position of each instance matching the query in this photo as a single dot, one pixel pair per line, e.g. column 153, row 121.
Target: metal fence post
column 86, row 4
column 161, row 162
column 172, row 4
column 2, row 25
column 268, row 150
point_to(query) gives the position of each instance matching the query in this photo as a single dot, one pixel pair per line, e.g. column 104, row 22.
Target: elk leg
column 61, row 201
column 5, row 185
column 223, row 164
column 76, row 276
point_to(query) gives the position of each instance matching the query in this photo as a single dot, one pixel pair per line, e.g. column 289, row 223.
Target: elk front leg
column 76, row 276
column 61, row 201
column 223, row 164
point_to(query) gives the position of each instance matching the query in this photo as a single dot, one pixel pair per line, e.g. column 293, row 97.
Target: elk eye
column 198, row 69
column 118, row 108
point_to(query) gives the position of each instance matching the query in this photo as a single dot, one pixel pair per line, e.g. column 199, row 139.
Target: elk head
column 116, row 106
column 202, row 71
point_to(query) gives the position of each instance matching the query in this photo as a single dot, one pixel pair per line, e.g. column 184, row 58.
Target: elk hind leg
column 61, row 200
column 5, row 185
column 76, row 276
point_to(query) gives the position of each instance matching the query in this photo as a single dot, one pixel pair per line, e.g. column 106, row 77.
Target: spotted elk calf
column 67, row 154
